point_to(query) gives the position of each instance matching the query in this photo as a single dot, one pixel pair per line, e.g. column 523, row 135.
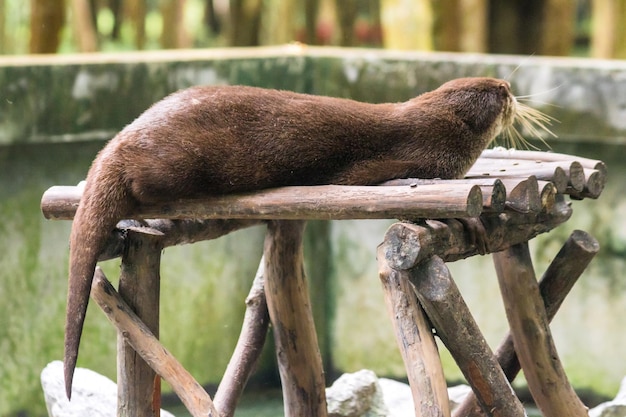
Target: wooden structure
column 506, row 199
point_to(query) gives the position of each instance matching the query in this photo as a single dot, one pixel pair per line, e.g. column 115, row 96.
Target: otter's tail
column 103, row 204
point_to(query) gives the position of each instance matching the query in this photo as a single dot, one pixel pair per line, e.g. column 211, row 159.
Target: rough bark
column 416, row 342
column 288, row 301
column 554, row 286
column 531, row 334
column 457, row 329
column 248, row 349
column 138, row 387
column 137, row 334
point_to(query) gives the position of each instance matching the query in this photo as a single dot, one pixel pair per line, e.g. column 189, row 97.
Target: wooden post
column 286, row 291
column 138, row 387
column 457, row 329
column 554, row 286
column 416, row 342
column 248, row 349
column 530, row 329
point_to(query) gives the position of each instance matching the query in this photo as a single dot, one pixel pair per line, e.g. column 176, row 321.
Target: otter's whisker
column 539, row 102
column 533, row 122
column 508, row 77
column 541, row 93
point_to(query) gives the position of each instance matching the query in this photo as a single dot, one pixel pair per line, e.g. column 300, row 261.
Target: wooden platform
column 507, row 198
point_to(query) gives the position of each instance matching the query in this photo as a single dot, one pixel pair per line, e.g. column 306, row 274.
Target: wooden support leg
column 135, row 332
column 554, row 286
column 416, row 342
column 248, row 349
column 299, row 359
column 138, row 387
column 456, row 327
column 535, row 348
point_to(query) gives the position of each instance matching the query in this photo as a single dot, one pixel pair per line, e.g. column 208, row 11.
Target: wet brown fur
column 219, row 140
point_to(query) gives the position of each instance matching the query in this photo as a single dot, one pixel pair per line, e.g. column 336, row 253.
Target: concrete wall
column 55, row 113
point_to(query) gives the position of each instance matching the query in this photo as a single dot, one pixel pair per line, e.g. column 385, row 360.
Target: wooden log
column 552, row 172
column 323, row 202
column 594, row 185
column 576, row 174
column 192, row 395
column 457, row 329
column 138, row 387
column 297, row 350
column 494, row 192
column 248, row 350
column 60, row 202
column 502, row 154
column 416, row 342
column 530, row 330
column 175, row 232
column 523, row 196
column 407, row 244
column 556, row 283
column 547, row 195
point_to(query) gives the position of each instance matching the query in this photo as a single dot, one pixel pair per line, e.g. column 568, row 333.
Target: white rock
column 93, row 395
column 399, row 399
column 362, row 394
column 615, row 408
column 356, row 395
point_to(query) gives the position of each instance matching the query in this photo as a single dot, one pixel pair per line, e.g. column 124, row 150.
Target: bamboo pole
column 556, row 283
column 530, row 330
column 457, row 329
column 297, row 350
column 248, row 349
column 138, row 387
column 135, row 332
column 416, row 342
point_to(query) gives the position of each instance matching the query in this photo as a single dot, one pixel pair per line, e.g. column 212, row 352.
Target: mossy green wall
column 56, row 112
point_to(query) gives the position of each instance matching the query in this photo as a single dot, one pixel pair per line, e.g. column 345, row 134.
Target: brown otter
column 218, row 140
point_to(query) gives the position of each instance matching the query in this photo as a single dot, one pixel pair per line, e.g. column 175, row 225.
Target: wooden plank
column 416, row 342
column 556, row 283
column 297, row 350
column 530, row 330
column 323, row 202
column 190, row 392
column 457, row 329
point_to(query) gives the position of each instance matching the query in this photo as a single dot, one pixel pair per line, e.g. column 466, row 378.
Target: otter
column 212, row 140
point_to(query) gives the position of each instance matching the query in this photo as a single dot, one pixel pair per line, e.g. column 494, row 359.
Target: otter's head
column 490, row 108
column 485, row 105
